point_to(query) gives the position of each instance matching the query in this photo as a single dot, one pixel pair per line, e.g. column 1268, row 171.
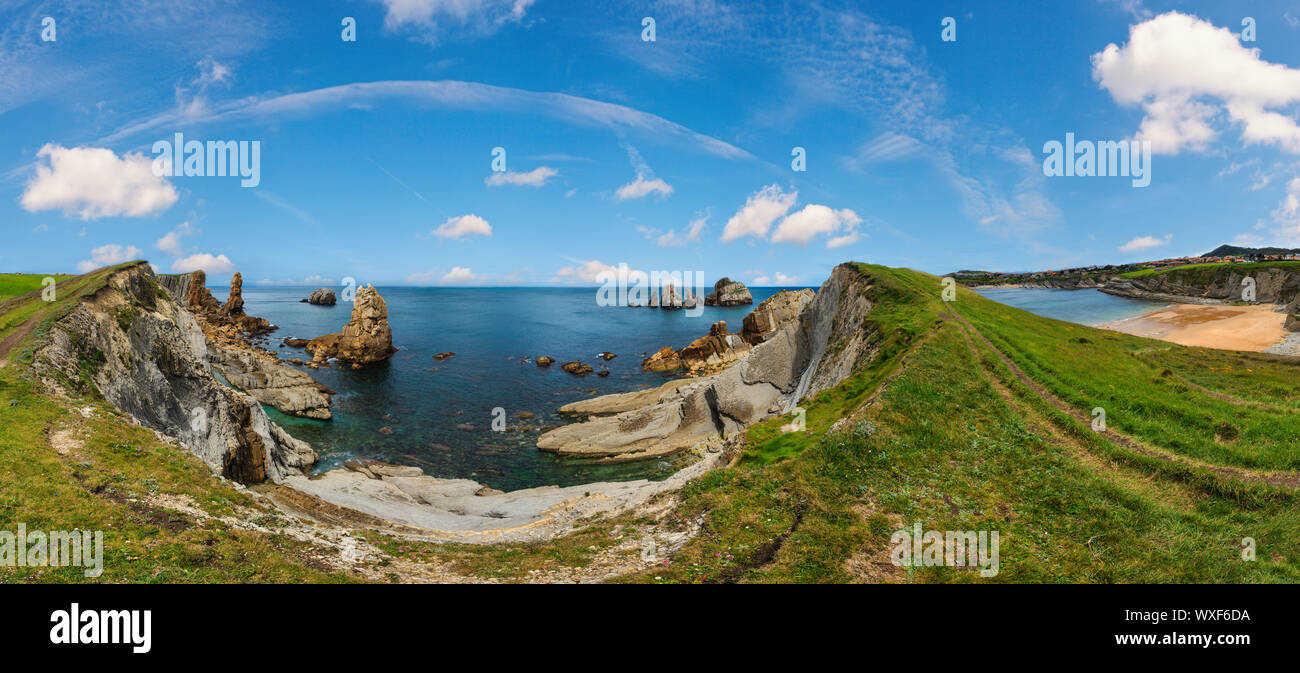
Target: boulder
column 717, row 348
column 322, row 297
column 728, row 292
column 545, row 361
column 366, row 339
column 665, row 360
column 773, row 313
column 576, row 368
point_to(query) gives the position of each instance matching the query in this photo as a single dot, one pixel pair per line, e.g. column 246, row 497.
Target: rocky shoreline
column 160, row 364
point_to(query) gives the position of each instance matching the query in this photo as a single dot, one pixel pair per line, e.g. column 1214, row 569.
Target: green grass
column 107, row 485
column 1096, row 368
column 953, row 441
column 1206, row 272
column 942, row 448
column 14, row 284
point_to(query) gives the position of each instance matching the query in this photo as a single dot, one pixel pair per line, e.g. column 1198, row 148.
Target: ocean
column 440, row 412
column 1086, row 307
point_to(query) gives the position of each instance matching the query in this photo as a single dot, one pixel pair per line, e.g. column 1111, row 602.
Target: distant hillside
column 1238, row 251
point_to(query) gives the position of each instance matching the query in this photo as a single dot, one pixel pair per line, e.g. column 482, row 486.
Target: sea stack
column 366, row 339
column 728, row 292
column 322, row 297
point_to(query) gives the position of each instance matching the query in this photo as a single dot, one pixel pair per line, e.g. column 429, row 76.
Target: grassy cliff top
column 971, row 416
column 1209, row 270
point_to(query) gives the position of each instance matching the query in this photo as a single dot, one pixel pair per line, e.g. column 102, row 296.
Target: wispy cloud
column 455, row 95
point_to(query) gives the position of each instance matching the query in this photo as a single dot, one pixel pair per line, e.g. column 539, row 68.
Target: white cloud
column 761, row 209
column 800, row 227
column 672, row 239
column 534, row 178
column 458, row 274
column 645, row 182
column 425, row 16
column 93, row 182
column 453, row 95
column 641, row 187
column 170, row 243
column 776, row 279
column 841, row 241
column 107, row 255
column 423, row 277
column 1145, row 242
column 464, row 225
column 42, row 227
column 585, row 272
column 1184, row 72
column 1287, row 215
column 888, row 146
column 218, row 264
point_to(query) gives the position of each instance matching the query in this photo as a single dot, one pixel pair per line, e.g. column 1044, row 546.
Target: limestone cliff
column 830, row 339
column 148, row 356
column 252, row 370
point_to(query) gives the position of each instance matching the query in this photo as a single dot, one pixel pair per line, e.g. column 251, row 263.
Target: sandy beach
column 1244, row 328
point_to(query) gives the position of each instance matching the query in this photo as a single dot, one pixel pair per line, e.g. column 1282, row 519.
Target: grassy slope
column 943, row 447
column 110, row 476
column 14, row 284
column 954, row 441
column 1205, row 272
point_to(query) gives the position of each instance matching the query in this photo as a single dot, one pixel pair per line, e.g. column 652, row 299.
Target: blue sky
column 376, row 155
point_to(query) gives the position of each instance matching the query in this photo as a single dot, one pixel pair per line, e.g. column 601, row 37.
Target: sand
column 1242, row 328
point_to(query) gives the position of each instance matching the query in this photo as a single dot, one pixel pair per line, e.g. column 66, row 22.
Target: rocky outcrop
column 671, row 298
column 665, row 360
column 322, row 297
column 226, row 323
column 366, row 339
column 716, row 349
column 272, row 382
column 252, row 370
column 576, row 368
column 773, row 313
column 820, row 349
column 149, row 357
column 728, row 292
column 719, row 348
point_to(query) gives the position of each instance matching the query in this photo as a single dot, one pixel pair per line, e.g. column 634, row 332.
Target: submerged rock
column 576, row 368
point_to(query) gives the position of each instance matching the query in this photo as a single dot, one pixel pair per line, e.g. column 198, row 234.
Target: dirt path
column 16, row 337
column 1283, row 479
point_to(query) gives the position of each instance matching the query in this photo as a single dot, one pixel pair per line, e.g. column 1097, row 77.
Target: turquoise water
column 1086, row 307
column 440, row 412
